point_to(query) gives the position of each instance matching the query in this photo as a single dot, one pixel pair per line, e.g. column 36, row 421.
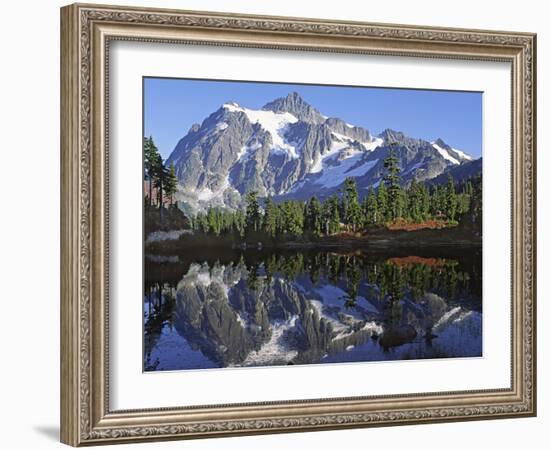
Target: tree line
column 387, row 203
column 158, row 175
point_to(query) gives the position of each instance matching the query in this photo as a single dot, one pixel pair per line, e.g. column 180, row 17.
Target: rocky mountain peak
column 441, row 143
column 293, row 103
column 392, row 136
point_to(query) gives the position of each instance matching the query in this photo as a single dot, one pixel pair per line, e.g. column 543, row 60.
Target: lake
column 245, row 308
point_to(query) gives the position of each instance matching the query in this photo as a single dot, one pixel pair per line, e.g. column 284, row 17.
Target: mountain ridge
column 289, row 149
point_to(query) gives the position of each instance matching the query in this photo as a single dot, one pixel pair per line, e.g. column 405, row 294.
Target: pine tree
column 352, row 214
column 334, row 226
column 382, row 198
column 364, row 209
column 463, row 200
column 313, row 216
column 331, row 215
column 253, row 214
column 392, row 181
column 292, row 218
column 438, row 203
column 300, row 216
column 326, row 215
column 371, row 207
column 286, row 218
column 160, row 175
column 270, row 217
column 213, row 221
column 201, row 222
column 469, row 187
column 150, row 162
column 450, row 199
column 424, row 201
column 171, row 183
column 414, row 201
column 476, row 204
column 402, row 203
column 240, row 222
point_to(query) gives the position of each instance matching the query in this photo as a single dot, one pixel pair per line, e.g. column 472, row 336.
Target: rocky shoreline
column 450, row 237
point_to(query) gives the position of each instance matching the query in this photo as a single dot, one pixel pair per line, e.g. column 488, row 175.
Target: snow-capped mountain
column 289, row 149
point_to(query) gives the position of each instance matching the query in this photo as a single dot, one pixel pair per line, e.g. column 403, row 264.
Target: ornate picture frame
column 87, row 32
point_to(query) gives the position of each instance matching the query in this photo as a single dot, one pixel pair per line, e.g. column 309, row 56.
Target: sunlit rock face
column 289, row 312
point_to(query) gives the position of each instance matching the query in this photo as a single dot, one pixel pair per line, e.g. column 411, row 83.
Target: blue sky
column 171, row 106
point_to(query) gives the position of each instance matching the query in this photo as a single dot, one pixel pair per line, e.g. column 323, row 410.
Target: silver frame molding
column 86, row 32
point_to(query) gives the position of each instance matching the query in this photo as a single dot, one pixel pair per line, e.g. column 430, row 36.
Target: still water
column 262, row 307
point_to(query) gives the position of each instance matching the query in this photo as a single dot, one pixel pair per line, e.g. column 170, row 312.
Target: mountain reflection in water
column 260, row 308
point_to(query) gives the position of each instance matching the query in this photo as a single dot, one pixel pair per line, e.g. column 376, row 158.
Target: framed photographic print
column 280, row 224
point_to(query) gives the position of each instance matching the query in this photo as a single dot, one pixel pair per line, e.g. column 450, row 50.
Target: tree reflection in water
column 301, row 307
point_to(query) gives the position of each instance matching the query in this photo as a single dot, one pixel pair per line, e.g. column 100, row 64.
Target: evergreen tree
column 476, row 203
column 450, row 199
column 353, row 214
column 424, row 201
column 171, row 183
column 213, row 221
column 334, row 215
column 364, row 209
column 286, row 218
column 150, row 162
column 313, row 219
column 382, row 198
column 240, row 222
column 371, row 208
column 331, row 215
column 292, row 218
column 201, row 223
column 438, row 202
column 270, row 217
column 469, row 189
column 160, row 175
column 299, row 209
column 463, row 203
column 392, row 181
column 415, row 201
column 326, row 214
column 402, row 203
column 253, row 214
